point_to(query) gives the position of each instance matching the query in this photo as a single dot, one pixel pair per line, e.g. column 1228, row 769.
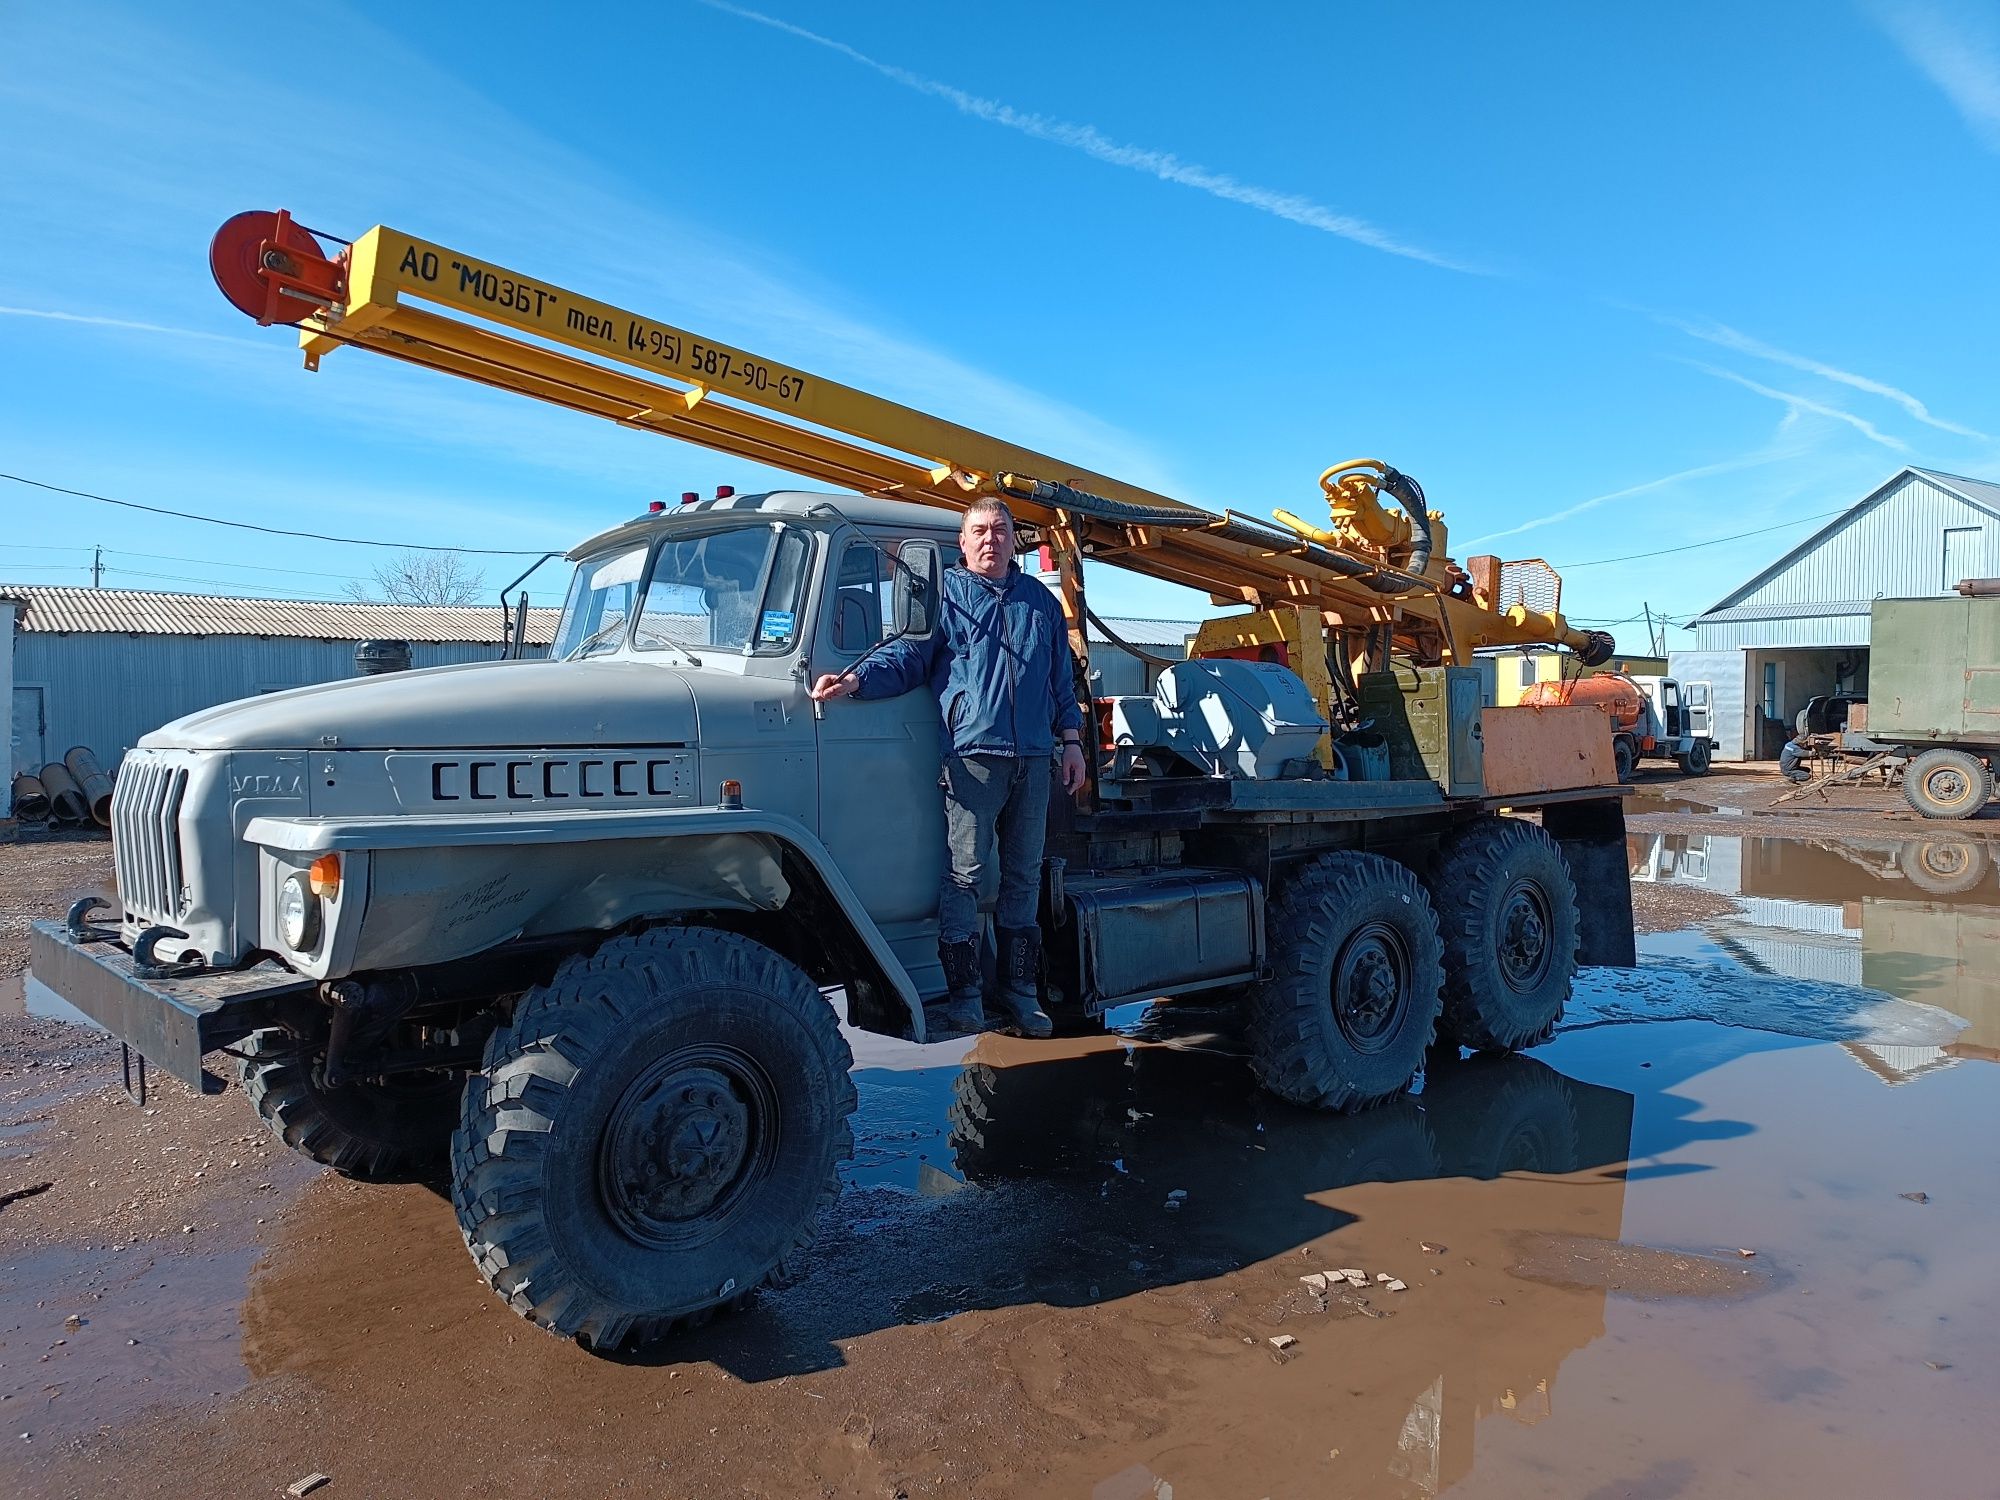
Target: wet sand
column 1003, row 1302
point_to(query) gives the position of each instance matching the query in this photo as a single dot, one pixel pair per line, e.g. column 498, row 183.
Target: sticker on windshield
column 777, row 625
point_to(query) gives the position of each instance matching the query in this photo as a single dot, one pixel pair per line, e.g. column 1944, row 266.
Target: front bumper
column 172, row 1023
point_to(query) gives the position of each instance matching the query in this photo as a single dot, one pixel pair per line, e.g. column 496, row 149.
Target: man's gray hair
column 989, row 505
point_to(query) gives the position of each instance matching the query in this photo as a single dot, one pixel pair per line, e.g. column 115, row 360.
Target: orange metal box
column 1546, row 749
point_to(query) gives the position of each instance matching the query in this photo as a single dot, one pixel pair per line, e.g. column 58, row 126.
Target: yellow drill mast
column 1367, row 581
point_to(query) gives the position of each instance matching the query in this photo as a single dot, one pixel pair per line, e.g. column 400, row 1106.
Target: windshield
column 736, row 590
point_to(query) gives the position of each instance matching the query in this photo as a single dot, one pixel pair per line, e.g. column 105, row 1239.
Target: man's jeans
column 985, row 796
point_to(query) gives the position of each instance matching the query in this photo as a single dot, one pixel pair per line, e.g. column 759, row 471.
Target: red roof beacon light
column 654, row 507
column 724, row 491
column 688, row 497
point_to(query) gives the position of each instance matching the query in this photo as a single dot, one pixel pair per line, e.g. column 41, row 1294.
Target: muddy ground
column 1728, row 1234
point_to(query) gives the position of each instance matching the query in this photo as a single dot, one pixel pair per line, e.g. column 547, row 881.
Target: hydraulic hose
column 1408, row 494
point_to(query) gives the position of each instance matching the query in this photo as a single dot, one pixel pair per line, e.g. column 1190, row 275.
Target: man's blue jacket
column 999, row 662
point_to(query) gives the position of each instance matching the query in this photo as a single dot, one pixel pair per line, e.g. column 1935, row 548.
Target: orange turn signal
column 324, row 876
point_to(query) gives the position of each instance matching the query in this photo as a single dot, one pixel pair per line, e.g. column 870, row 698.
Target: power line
column 310, row 536
column 1714, row 541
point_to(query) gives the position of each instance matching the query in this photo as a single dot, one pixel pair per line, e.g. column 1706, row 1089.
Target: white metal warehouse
column 101, row 667
column 1800, row 627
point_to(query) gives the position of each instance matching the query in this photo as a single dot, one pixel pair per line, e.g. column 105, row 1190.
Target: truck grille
column 145, row 839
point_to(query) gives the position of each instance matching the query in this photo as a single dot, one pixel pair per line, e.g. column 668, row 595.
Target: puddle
column 1913, row 919
column 21, row 995
column 1649, row 800
column 152, row 1328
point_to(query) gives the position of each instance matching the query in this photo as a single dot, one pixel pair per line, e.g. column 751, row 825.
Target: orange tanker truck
column 1655, row 716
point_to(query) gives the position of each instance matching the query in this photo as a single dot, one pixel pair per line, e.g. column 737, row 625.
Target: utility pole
column 97, row 567
column 1652, row 641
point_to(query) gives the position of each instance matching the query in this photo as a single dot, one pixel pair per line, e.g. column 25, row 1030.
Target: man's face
column 987, row 537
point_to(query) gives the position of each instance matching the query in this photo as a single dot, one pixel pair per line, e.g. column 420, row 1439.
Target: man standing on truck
column 1000, row 665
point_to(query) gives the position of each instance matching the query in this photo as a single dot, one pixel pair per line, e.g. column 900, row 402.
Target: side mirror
column 916, row 589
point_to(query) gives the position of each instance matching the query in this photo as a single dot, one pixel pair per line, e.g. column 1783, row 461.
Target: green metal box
column 1430, row 717
column 1934, row 670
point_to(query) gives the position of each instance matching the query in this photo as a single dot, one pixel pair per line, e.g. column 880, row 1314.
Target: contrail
column 125, row 323
column 1701, row 471
column 1723, row 336
column 1797, row 403
column 1092, row 142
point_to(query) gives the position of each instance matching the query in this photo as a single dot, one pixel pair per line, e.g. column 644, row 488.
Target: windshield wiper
column 603, row 632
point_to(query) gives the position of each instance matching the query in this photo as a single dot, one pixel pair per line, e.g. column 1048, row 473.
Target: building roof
column 1140, row 632
column 1980, row 493
column 52, row 610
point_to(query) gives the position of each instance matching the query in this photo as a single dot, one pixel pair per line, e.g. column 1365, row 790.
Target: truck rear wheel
column 1507, row 909
column 1694, row 760
column 653, row 1135
column 1353, row 1000
column 1623, row 757
column 387, row 1131
column 1947, row 784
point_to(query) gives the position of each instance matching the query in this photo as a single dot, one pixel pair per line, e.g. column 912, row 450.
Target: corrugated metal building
column 1800, row 627
column 101, row 667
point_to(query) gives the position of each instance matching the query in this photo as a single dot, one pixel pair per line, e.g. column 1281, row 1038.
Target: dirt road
column 1060, row 1269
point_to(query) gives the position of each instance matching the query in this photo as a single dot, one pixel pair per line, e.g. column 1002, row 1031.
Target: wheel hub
column 1371, row 980
column 679, row 1145
column 1524, row 936
column 1949, row 785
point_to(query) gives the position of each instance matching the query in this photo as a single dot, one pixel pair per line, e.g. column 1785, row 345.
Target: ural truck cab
column 580, row 933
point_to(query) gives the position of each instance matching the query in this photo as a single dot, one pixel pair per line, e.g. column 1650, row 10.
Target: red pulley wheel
column 233, row 259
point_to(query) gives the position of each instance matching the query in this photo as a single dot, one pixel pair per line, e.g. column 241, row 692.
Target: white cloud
column 1960, row 54
column 1795, row 403
column 1725, row 337
column 1092, row 142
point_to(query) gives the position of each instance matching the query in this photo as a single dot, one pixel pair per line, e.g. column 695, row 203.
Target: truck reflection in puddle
column 1130, row 1165
column 1917, row 918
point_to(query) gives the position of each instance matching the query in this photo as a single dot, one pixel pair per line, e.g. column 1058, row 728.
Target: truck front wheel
column 1352, row 1003
column 389, row 1130
column 1947, row 784
column 1694, row 760
column 1507, row 908
column 653, row 1135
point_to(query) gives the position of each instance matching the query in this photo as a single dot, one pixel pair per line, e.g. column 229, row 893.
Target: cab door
column 881, row 808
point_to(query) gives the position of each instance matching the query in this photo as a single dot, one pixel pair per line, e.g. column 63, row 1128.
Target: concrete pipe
column 91, row 781
column 67, row 804
column 30, row 801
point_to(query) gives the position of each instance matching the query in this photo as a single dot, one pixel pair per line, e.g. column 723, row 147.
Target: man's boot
column 1020, row 982
column 964, row 1010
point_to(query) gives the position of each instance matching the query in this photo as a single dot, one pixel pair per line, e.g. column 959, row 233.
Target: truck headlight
column 298, row 913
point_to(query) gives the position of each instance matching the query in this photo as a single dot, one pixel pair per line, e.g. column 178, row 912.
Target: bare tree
column 420, row 578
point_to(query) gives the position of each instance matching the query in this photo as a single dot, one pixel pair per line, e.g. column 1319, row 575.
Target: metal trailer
column 566, row 930
column 1934, row 701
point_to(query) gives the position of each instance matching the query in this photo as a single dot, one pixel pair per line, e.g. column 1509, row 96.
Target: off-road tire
column 699, row 1053
column 1624, row 759
column 1947, row 784
column 1944, row 866
column 1694, row 761
column 1506, row 908
column 373, row 1132
column 1342, row 919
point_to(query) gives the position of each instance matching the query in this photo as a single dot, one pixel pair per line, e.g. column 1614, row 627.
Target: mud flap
column 1592, row 837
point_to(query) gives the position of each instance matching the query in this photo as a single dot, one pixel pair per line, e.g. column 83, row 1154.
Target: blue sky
column 1606, row 280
